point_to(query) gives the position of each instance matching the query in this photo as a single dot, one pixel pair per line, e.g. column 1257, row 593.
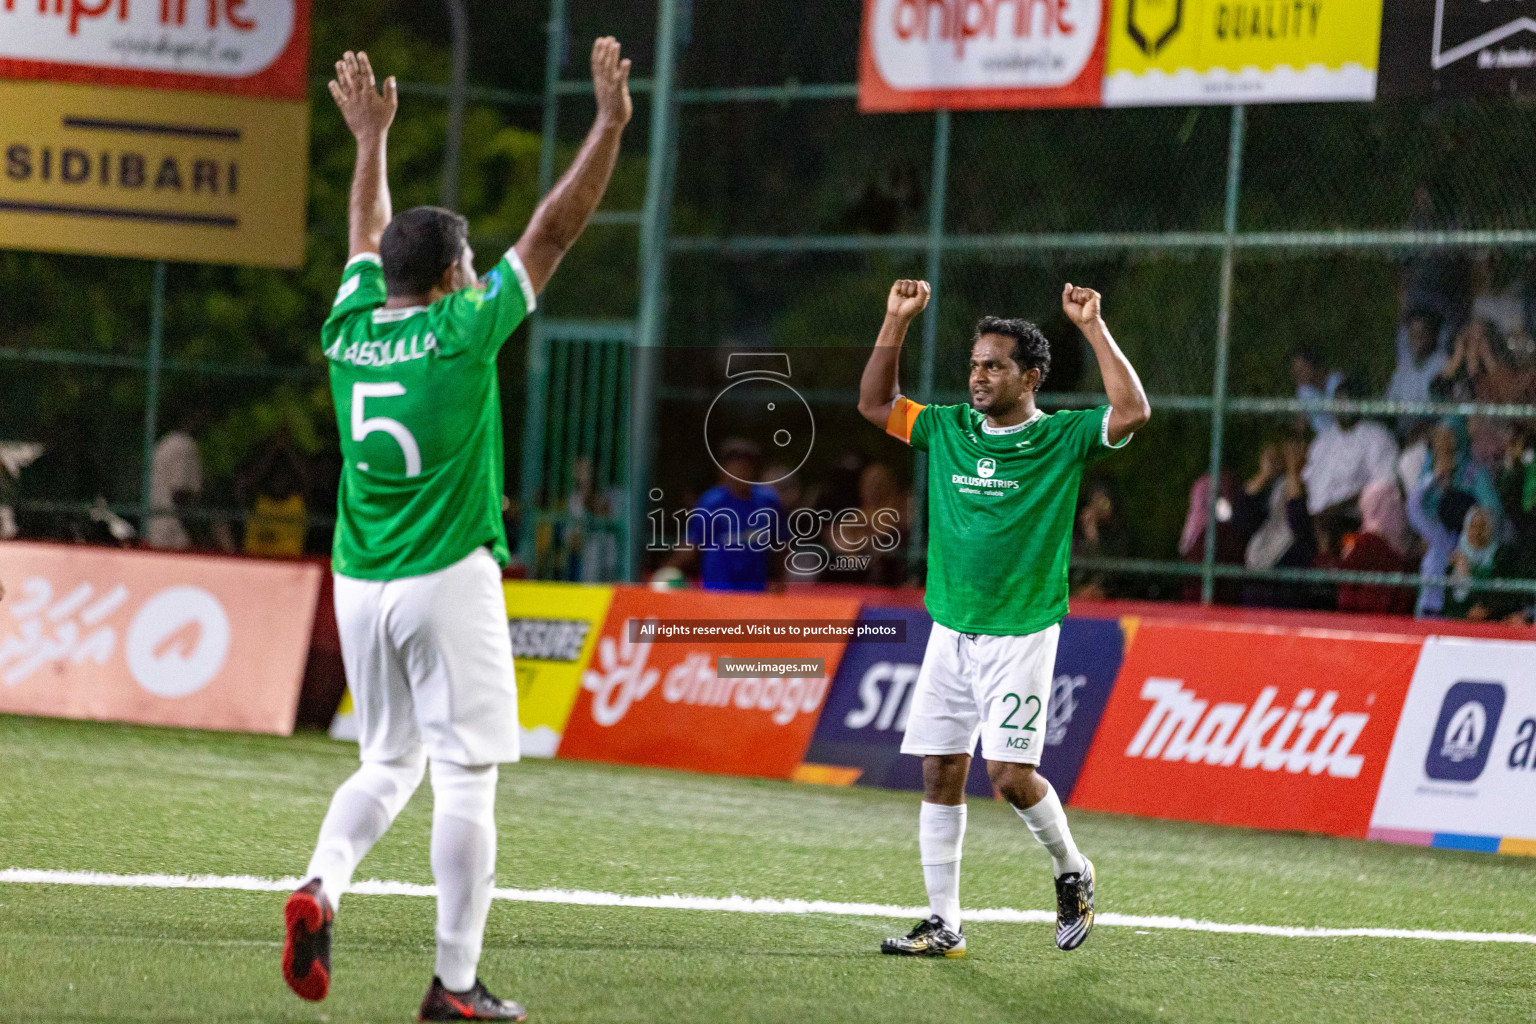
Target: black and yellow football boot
column 930, row 938
column 1074, row 907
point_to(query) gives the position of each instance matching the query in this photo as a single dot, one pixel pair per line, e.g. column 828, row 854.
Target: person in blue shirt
column 737, row 526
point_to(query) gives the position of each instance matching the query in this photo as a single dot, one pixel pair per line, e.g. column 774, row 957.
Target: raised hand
column 1082, row 305
column 907, row 299
column 610, row 81
column 368, row 112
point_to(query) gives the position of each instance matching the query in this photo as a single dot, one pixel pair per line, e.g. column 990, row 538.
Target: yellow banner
column 178, row 176
column 1241, row 51
column 555, row 627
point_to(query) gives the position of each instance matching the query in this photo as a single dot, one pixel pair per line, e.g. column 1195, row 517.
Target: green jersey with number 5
column 419, row 409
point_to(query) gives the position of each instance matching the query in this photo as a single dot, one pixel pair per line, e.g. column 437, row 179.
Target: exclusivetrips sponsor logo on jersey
column 1304, row 737
column 986, row 471
column 224, row 38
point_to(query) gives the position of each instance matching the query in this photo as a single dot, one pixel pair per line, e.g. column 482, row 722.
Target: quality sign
column 162, row 129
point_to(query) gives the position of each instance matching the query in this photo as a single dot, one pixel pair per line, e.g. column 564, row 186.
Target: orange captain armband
column 903, row 416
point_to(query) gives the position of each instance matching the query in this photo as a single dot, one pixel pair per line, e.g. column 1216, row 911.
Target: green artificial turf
column 78, row 796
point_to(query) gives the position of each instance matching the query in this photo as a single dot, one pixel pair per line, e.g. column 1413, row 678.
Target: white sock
column 1048, row 821
column 940, row 834
column 361, row 811
column 463, row 864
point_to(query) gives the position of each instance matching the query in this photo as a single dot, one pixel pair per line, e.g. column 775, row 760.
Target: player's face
column 997, row 384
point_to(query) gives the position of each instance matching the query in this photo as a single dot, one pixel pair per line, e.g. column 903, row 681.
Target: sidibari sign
column 174, row 129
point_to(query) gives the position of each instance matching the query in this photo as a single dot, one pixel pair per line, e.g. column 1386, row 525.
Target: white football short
column 997, row 686
column 429, row 663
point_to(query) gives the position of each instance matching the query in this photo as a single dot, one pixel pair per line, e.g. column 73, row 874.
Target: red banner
column 159, row 639
column 981, row 54
column 1263, row 727
column 662, row 704
column 248, row 47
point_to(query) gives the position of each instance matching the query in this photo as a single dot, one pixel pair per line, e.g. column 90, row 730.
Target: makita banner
column 1462, row 773
column 200, row 641
column 1435, row 48
column 664, row 704
column 1257, row 726
column 866, row 713
column 966, row 54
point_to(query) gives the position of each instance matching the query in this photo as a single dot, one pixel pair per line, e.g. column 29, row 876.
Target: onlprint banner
column 159, row 639
column 1266, row 727
column 968, row 54
column 662, row 704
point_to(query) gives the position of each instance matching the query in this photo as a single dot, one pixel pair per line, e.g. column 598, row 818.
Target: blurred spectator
column 786, row 484
column 1473, row 365
column 1420, row 358
column 274, row 490
column 728, row 524
column 882, row 507
column 592, row 547
column 1480, row 555
column 1314, row 384
column 175, row 482
column 1449, row 487
column 1435, row 278
column 1101, row 533
column 1341, row 461
column 1272, row 512
column 1515, row 482
column 1229, row 542
column 1380, row 546
column 15, row 456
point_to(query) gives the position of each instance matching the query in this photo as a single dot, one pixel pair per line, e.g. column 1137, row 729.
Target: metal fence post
column 458, row 21
column 653, row 281
column 1223, row 346
column 555, row 43
column 152, row 365
column 938, row 193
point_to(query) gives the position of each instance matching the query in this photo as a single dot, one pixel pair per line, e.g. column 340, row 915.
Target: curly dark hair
column 1030, row 349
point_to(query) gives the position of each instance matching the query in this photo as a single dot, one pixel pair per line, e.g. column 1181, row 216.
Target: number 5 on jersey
column 363, row 425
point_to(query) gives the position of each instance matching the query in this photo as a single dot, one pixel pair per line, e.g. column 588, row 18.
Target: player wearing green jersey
column 1003, row 478
column 412, row 341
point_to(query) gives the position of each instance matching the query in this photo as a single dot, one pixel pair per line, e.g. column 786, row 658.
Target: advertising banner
column 165, row 130
column 1462, row 772
column 661, row 703
column 554, row 629
column 157, row 639
column 1457, row 48
column 980, row 54
column 1173, row 52
column 1266, row 727
column 865, row 716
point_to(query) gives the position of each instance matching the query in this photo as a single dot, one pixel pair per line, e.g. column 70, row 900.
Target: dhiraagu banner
column 1171, row 52
column 554, row 628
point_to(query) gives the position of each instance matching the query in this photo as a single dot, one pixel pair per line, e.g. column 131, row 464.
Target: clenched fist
column 907, row 299
column 1082, row 305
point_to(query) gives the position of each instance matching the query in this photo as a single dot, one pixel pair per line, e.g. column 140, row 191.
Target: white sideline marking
column 744, row 905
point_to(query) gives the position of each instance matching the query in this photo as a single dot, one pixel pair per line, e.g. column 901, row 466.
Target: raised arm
column 878, row 388
column 1128, row 406
column 368, row 113
column 560, row 218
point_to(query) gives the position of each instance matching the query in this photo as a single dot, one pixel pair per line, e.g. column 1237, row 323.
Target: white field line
column 744, row 905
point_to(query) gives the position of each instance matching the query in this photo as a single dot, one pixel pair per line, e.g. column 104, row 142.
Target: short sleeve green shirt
column 1000, row 512
column 419, row 409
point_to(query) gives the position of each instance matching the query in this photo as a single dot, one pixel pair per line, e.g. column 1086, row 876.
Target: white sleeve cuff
column 365, row 257
column 523, row 280
column 1104, row 433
